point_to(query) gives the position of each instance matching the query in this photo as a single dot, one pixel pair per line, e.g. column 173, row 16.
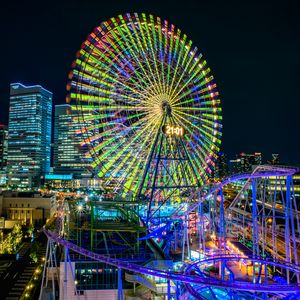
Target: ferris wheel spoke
column 152, row 42
column 84, row 118
column 186, row 65
column 142, row 41
column 126, row 130
column 114, row 122
column 133, row 55
column 114, row 108
column 207, row 136
column 124, row 149
column 122, row 62
column 193, row 90
column 107, row 92
column 208, row 101
column 170, row 50
column 180, row 43
column 198, row 91
column 132, row 174
column 111, row 76
column 119, row 134
column 102, row 134
column 204, row 143
column 211, row 126
column 161, row 55
column 148, row 43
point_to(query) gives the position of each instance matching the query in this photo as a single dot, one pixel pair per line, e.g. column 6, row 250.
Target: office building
column 29, row 135
column 26, row 208
column 3, row 147
column 3, row 154
column 235, row 166
column 221, row 170
column 69, row 156
column 250, row 161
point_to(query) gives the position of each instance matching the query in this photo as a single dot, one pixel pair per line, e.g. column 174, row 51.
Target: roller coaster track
column 186, row 278
column 259, row 172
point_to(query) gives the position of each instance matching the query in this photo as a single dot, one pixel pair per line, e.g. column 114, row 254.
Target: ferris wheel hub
column 166, row 108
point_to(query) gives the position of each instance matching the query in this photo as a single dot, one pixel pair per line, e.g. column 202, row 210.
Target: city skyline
column 256, row 76
column 114, row 185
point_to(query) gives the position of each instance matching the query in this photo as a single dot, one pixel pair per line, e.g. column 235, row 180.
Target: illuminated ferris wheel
column 149, row 107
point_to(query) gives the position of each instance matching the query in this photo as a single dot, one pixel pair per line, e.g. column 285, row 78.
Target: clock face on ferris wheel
column 130, row 73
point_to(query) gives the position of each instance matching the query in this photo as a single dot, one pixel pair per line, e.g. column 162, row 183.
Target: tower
column 29, row 135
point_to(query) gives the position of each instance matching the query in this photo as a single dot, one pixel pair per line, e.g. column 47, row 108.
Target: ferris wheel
column 148, row 105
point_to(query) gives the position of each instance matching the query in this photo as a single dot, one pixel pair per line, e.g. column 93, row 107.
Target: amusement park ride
column 153, row 131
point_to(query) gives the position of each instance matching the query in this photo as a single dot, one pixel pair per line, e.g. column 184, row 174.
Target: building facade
column 27, row 208
column 250, row 161
column 221, row 169
column 29, row 135
column 69, row 155
column 235, row 166
column 3, row 147
column 3, row 154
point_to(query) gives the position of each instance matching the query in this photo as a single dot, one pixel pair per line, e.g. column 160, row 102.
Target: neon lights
column 123, row 74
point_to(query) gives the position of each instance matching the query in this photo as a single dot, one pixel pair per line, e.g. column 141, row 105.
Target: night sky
column 252, row 47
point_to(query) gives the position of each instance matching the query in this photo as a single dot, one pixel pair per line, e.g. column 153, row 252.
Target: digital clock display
column 173, row 130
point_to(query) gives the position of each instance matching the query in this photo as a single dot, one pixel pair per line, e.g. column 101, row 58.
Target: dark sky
column 252, row 47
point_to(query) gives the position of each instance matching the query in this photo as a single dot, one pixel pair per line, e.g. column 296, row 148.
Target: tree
column 12, row 241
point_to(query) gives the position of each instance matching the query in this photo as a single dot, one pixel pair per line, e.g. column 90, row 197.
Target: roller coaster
column 193, row 280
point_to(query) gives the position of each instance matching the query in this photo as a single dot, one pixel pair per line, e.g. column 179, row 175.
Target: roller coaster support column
column 177, row 291
column 50, row 264
column 293, row 201
column 120, row 288
column 169, row 289
column 201, row 227
column 222, row 239
column 66, row 274
column 92, row 223
column 185, row 239
column 288, row 219
column 255, row 245
column 44, row 271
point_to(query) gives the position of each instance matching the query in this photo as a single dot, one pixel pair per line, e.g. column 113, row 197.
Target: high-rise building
column 235, row 166
column 3, row 154
column 221, row 170
column 3, row 147
column 249, row 161
column 275, row 159
column 29, row 135
column 69, row 153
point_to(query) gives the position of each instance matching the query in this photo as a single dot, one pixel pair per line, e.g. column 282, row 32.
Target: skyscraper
column 29, row 135
column 235, row 166
column 249, row 161
column 69, row 154
column 3, row 154
column 3, row 147
column 221, row 170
